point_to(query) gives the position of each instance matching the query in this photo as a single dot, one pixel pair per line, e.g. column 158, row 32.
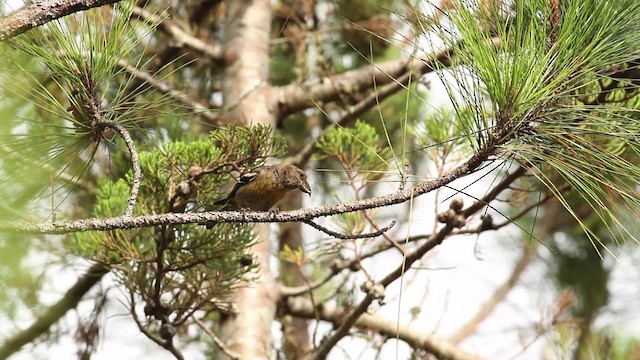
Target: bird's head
column 297, row 179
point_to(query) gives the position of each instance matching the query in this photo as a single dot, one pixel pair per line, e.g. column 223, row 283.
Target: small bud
column 194, row 171
column 246, row 260
column 366, row 286
column 376, row 290
column 355, row 266
column 459, row 221
column 456, row 205
column 442, row 218
column 487, row 222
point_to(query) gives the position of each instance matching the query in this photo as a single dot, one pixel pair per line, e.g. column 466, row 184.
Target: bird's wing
column 246, row 178
column 242, row 181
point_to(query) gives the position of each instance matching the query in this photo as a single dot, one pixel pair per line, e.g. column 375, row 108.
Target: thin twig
column 389, row 239
column 350, row 237
column 510, row 220
column 219, row 343
column 165, row 88
column 179, row 35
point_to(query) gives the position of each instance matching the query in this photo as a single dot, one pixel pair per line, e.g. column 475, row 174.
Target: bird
column 261, row 188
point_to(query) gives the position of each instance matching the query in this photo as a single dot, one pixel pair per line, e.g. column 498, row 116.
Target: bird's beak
column 304, row 187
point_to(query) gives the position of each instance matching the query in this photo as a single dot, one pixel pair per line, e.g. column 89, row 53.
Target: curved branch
column 69, row 301
column 350, row 237
column 41, row 12
column 135, row 163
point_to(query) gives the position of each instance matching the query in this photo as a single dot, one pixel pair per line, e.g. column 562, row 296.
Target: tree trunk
column 245, row 86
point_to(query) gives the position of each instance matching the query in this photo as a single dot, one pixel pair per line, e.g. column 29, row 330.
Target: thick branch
column 302, row 307
column 295, row 97
column 179, row 35
column 120, row 222
column 69, row 301
column 41, row 12
column 329, row 343
column 351, row 114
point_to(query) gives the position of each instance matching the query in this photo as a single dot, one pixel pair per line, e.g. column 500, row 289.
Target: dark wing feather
column 242, row 181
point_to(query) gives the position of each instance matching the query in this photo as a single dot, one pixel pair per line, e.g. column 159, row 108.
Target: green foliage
column 60, row 81
column 294, row 256
column 198, row 264
column 442, row 132
column 625, row 347
column 533, row 63
column 357, row 150
column 80, row 60
column 282, row 61
column 240, row 143
column 583, row 272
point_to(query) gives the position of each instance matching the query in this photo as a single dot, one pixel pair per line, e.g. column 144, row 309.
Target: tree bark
column 245, row 88
column 41, row 12
column 296, row 344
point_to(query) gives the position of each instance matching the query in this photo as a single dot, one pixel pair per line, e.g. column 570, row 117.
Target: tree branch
column 167, row 89
column 292, row 98
column 56, row 311
column 323, row 350
column 179, row 35
column 302, row 215
column 41, row 12
column 219, row 343
column 135, row 164
column 350, row 115
column 337, row 235
column 302, row 307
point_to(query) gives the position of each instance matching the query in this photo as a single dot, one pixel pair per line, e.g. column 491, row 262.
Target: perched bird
column 262, row 188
